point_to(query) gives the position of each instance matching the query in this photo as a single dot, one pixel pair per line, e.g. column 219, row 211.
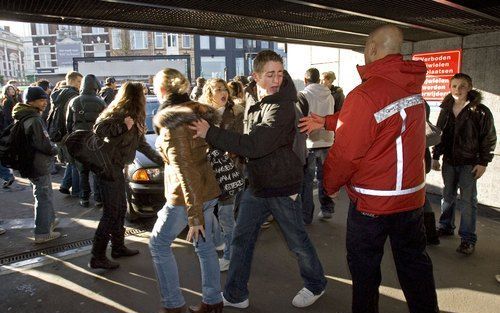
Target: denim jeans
column 366, row 237
column 170, row 223
column 287, row 213
column 226, row 221
column 314, row 168
column 454, row 178
column 71, row 179
column 85, row 185
column 5, row 173
column 44, row 208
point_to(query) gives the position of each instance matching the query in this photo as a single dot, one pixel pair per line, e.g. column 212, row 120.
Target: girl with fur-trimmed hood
column 191, row 190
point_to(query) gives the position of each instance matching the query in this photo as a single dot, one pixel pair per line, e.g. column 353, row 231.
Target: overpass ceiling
column 343, row 24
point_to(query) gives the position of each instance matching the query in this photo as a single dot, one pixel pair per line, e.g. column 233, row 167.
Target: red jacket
column 379, row 145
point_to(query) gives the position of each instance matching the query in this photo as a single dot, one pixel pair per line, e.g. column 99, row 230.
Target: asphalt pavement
column 54, row 277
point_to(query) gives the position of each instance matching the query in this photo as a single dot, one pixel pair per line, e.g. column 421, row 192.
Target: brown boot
column 182, row 309
column 206, row 308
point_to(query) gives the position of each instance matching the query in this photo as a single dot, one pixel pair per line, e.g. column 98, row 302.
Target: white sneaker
column 305, row 298
column 239, row 305
column 2, row 231
column 224, row 264
column 47, row 237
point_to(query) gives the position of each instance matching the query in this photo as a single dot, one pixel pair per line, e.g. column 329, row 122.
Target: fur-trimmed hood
column 474, row 96
column 176, row 115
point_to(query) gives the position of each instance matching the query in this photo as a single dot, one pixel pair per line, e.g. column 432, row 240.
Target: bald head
column 384, row 40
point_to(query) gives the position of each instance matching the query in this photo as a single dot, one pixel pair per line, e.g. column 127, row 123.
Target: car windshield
column 152, row 105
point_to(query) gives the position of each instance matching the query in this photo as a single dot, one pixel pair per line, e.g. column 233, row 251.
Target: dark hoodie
column 274, row 169
column 34, row 128
column 468, row 139
column 84, row 109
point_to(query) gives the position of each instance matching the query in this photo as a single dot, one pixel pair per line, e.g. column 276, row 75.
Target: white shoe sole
column 240, row 305
column 305, row 305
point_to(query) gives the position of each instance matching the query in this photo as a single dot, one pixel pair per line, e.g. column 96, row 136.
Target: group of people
column 372, row 142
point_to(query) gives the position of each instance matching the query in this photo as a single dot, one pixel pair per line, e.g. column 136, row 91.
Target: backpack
column 15, row 149
column 57, row 118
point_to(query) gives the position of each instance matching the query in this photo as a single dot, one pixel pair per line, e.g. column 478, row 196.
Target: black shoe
column 84, row 203
column 64, row 190
column 444, row 232
column 123, row 252
column 103, row 263
column 466, row 248
column 7, row 183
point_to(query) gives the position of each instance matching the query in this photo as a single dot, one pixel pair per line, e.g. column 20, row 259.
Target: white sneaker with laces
column 305, row 298
column 224, row 264
column 239, row 305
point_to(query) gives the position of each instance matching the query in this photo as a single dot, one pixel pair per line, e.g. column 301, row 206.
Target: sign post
column 441, row 66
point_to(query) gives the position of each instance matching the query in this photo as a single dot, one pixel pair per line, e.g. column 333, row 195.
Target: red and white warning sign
column 441, row 66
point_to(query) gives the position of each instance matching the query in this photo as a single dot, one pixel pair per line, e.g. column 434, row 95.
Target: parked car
column 145, row 186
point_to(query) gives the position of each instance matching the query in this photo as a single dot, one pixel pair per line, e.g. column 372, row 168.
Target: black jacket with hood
column 468, row 139
column 36, row 133
column 84, row 109
column 274, row 169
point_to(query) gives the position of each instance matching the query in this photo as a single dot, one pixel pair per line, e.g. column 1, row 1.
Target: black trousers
column 113, row 195
column 366, row 236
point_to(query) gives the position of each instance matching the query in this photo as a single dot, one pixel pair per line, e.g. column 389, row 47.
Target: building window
column 100, row 50
column 280, row 46
column 42, row 29
column 252, row 43
column 44, row 57
column 116, row 36
column 240, row 66
column 220, row 43
column 172, row 40
column 205, row 42
column 264, row 44
column 159, row 41
column 239, row 43
column 213, row 67
column 98, row 30
column 138, row 40
column 14, row 67
column 186, row 41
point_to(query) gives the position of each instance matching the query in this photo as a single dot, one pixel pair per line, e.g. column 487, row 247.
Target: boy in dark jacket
column 43, row 152
column 275, row 175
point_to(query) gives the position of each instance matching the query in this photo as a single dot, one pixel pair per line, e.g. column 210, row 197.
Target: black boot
column 123, row 251
column 430, row 229
column 103, row 263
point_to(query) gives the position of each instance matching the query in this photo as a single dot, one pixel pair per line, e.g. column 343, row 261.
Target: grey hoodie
column 321, row 102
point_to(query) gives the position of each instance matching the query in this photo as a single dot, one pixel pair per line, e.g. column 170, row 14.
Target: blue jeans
column 226, row 221
column 170, row 223
column 365, row 240
column 287, row 212
column 71, row 179
column 314, row 168
column 5, row 173
column 44, row 208
column 454, row 178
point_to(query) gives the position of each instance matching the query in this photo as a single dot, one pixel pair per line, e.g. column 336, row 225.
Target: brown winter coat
column 189, row 178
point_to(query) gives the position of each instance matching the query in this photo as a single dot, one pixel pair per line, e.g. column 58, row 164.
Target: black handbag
column 230, row 179
column 432, row 134
column 94, row 152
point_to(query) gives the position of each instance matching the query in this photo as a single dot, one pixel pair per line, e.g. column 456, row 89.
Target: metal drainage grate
column 141, row 228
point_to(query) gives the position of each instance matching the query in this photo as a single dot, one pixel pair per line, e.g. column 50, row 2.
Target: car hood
column 140, row 159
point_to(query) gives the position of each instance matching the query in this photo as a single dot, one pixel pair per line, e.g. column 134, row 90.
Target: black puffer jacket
column 468, row 139
column 35, row 131
column 84, row 109
column 273, row 168
column 130, row 140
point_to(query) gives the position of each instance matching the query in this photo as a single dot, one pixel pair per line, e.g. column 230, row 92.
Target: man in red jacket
column 378, row 154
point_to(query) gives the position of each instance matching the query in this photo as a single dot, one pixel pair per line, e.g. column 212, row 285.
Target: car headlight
column 147, row 175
